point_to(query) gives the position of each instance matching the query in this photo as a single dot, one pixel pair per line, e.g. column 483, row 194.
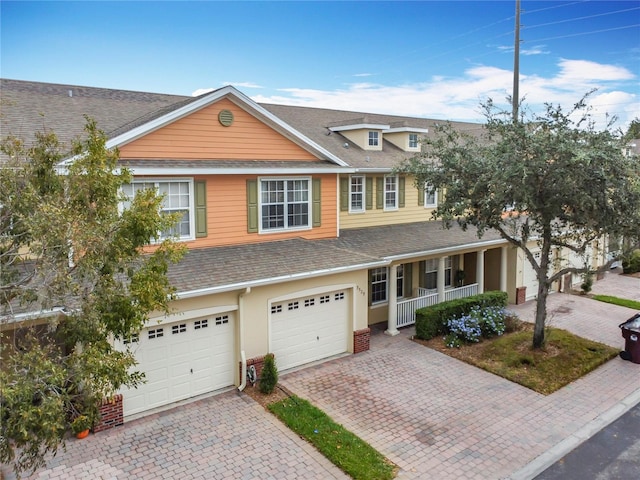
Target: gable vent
column 225, row 117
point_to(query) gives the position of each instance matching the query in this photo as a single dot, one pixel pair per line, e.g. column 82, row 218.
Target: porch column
column 480, row 270
column 503, row 269
column 441, row 279
column 392, row 315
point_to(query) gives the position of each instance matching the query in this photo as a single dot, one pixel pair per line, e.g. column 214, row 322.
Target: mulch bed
column 280, row 393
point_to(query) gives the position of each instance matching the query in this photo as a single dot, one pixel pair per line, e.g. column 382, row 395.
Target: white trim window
column 391, row 192
column 177, row 198
column 356, row 194
column 430, row 196
column 400, row 281
column 413, row 140
column 431, row 273
column 374, row 138
column 285, row 204
column 379, row 285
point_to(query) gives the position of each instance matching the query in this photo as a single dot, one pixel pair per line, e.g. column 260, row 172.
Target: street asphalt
column 611, row 454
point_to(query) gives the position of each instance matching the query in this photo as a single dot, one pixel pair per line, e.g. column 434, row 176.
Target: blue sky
column 423, row 58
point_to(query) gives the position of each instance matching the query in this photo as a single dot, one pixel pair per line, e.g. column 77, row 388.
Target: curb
column 555, row 453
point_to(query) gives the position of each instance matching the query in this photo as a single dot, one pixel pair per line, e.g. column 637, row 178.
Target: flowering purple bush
column 479, row 322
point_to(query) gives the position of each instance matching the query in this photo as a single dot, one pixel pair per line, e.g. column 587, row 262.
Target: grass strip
column 623, row 302
column 348, row 452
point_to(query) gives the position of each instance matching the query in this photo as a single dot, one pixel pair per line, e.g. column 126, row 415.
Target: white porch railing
column 406, row 309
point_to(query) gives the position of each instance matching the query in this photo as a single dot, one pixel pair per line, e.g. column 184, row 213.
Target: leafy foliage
column 631, row 262
column 75, row 278
column 566, row 184
column 432, row 321
column 471, row 327
column 269, row 375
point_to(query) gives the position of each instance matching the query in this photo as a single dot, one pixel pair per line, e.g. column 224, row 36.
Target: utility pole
column 516, row 65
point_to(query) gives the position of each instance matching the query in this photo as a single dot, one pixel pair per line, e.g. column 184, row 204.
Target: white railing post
column 392, row 312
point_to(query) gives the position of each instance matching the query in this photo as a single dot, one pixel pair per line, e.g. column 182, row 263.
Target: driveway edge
column 548, row 458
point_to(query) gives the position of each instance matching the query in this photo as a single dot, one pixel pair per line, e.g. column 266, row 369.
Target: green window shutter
column 401, row 192
column 369, row 286
column 440, row 196
column 408, row 279
column 344, row 194
column 316, row 211
column 421, row 196
column 379, row 192
column 421, row 274
column 201, row 208
column 252, row 206
column 369, row 193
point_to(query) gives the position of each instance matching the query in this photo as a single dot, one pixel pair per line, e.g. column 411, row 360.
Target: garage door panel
column 309, row 328
column 182, row 360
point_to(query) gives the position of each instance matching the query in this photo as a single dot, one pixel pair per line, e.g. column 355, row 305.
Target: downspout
column 243, row 358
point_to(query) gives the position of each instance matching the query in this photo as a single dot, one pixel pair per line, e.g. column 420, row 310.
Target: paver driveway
column 226, row 436
column 439, row 418
column 434, row 416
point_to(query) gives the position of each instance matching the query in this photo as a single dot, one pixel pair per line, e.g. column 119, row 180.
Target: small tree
column 567, row 183
column 269, row 375
column 73, row 257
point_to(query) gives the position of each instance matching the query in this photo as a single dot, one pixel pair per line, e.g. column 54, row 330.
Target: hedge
column 432, row 321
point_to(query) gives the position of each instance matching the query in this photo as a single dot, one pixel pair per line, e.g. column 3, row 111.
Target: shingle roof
column 231, row 266
column 28, row 107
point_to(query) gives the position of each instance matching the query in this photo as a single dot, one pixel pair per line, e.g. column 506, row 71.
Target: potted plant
column 459, row 278
column 80, row 425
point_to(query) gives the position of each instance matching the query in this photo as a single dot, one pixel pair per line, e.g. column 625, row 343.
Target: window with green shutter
column 200, row 188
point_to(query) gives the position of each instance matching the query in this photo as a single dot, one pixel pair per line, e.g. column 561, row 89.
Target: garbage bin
column 631, row 335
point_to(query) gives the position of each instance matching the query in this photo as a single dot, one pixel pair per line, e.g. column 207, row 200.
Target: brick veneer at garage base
column 361, row 341
column 111, row 414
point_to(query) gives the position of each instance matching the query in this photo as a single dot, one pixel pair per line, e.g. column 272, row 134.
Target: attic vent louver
column 225, row 117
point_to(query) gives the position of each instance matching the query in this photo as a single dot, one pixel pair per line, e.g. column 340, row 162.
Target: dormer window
column 374, row 139
column 413, row 140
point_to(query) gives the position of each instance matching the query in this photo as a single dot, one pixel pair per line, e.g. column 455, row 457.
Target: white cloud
column 238, row 85
column 363, row 74
column 459, row 98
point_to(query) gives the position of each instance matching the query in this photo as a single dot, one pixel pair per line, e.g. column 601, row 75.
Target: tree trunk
column 541, row 315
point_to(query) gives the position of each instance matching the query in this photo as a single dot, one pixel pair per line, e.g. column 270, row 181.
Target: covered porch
column 401, row 312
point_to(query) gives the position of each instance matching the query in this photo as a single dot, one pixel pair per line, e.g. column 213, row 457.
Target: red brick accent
column 111, row 414
column 361, row 339
column 521, row 295
column 257, row 362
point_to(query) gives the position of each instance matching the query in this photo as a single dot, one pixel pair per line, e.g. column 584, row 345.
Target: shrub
column 432, row 321
column 587, row 283
column 492, row 321
column 269, row 376
column 466, row 328
column 631, row 263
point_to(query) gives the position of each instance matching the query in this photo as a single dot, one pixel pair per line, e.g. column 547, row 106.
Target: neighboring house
column 300, row 235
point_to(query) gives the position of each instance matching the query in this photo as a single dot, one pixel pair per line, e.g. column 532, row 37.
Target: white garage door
column 182, row 360
column 309, row 328
column 530, row 279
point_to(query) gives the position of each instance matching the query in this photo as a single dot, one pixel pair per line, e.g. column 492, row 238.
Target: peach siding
column 411, row 212
column 201, row 136
column 227, row 213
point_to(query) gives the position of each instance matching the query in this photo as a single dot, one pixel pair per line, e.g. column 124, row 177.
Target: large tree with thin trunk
column 74, row 280
column 547, row 183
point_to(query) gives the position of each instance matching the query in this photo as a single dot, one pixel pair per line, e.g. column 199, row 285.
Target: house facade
column 300, row 233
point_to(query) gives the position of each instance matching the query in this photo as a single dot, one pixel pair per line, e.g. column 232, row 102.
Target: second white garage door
column 182, row 360
column 309, row 328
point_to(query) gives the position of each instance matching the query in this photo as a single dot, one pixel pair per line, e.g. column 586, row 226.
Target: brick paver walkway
column 434, row 416
column 438, row 418
column 226, row 436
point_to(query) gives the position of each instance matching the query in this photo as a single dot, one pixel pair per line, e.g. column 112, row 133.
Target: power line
column 585, row 33
column 579, row 18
